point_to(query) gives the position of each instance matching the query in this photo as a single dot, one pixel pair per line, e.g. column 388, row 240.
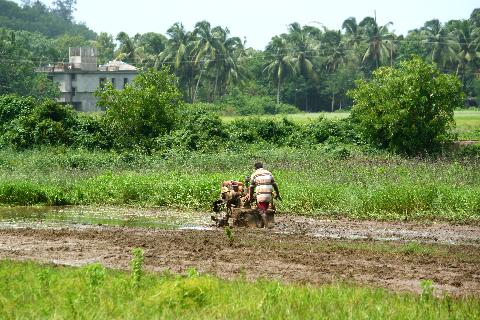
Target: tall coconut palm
column 177, row 54
column 303, row 42
column 353, row 32
column 376, row 37
column 204, row 48
column 440, row 42
column 126, row 50
column 228, row 51
column 468, row 55
column 335, row 50
column 176, row 47
column 280, row 65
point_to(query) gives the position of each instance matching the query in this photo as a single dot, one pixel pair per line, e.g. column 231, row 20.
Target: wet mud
column 298, row 250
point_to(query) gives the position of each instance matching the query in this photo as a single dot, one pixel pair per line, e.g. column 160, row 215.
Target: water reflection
column 37, row 217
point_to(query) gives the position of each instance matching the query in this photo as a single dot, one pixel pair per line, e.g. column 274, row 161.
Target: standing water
column 76, row 216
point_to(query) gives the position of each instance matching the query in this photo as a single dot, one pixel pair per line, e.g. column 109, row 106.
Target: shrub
column 144, row 110
column 91, row 133
column 409, row 109
column 48, row 123
column 197, row 129
column 12, row 106
column 257, row 130
column 244, row 104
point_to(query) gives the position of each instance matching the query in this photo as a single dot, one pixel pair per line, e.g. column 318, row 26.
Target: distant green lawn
column 468, row 122
column 299, row 118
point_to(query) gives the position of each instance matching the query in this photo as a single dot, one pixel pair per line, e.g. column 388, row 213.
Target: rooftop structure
column 81, row 77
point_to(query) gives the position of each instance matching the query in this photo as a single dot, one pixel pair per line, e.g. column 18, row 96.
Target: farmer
column 263, row 183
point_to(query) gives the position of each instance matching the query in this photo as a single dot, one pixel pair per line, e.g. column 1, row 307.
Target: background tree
column 407, row 110
column 64, row 8
column 144, row 110
column 440, row 42
column 105, row 47
column 17, row 70
column 280, row 64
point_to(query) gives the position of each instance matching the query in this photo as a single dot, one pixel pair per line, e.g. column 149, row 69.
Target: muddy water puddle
column 78, row 217
column 87, row 217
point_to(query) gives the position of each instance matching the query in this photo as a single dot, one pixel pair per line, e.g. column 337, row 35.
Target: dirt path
column 290, row 253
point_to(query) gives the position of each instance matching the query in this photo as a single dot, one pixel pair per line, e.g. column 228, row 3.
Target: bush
column 238, row 103
column 407, row 110
column 12, row 106
column 48, row 123
column 144, row 110
column 91, row 133
column 197, row 130
column 257, row 130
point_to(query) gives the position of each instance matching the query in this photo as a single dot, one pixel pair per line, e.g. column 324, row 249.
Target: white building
column 81, row 77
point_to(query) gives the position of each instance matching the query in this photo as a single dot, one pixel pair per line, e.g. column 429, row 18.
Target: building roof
column 116, row 65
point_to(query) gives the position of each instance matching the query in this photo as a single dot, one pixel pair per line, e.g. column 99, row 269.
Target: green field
column 93, row 292
column 300, row 118
column 468, row 125
column 319, row 181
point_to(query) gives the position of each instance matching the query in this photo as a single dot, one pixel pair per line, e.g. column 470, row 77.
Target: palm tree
column 335, row 50
column 176, row 47
column 376, row 37
column 468, row 55
column 204, row 49
column 177, row 54
column 353, row 32
column 126, row 50
column 227, row 53
column 304, row 43
column 280, row 65
column 441, row 43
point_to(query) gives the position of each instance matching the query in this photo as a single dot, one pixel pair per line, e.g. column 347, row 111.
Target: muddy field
column 297, row 250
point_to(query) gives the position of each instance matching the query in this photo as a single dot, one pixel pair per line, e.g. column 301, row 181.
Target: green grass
column 299, row 118
column 468, row 124
column 33, row 291
column 312, row 181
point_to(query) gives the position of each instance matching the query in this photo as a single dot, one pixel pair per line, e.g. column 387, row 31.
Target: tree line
column 307, row 66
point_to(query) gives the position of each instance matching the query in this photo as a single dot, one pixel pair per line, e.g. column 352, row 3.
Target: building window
column 74, row 91
column 77, row 105
column 113, row 82
column 50, row 78
column 125, row 82
column 102, row 82
column 73, row 76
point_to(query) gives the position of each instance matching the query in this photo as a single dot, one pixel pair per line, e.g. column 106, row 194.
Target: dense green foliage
column 58, row 292
column 34, row 16
column 407, row 109
column 17, row 70
column 333, row 180
column 27, row 123
column 144, row 110
column 149, row 115
column 309, row 67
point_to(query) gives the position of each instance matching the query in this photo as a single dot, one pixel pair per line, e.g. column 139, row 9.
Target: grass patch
column 468, row 124
column 312, row 181
column 33, row 291
column 299, row 118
